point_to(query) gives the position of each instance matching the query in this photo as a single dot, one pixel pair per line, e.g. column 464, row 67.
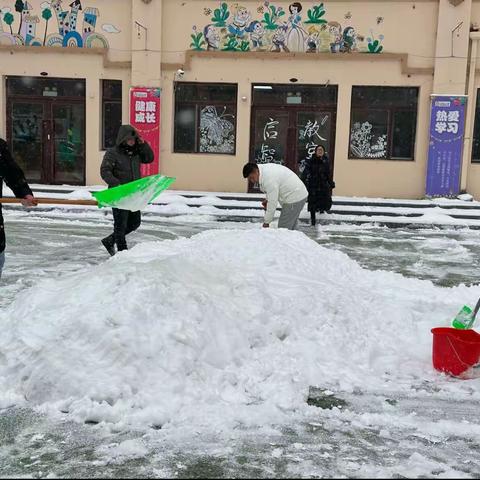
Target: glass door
column 68, row 143
column 46, row 128
column 26, row 130
column 270, row 136
column 313, row 128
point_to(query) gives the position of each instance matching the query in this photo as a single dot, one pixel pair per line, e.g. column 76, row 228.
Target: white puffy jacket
column 281, row 185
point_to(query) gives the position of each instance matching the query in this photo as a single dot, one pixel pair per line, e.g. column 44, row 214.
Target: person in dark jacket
column 317, row 179
column 121, row 164
column 15, row 180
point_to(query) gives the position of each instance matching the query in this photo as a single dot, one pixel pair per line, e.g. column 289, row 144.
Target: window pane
column 205, row 117
column 385, row 97
column 111, row 111
column 368, row 134
column 274, row 94
column 205, row 93
column 112, row 89
column 476, row 132
column 46, row 87
column 112, row 119
column 27, row 134
column 403, row 140
column 184, row 133
column 217, row 129
column 271, row 133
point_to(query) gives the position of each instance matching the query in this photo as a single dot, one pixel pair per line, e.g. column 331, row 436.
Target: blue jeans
column 2, row 262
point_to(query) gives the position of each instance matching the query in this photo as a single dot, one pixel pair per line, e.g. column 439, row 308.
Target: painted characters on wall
column 297, row 27
column 54, row 24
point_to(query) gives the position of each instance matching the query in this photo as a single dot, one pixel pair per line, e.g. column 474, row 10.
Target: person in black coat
column 15, row 180
column 121, row 164
column 317, row 179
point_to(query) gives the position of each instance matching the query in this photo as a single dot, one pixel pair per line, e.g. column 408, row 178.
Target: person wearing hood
column 15, row 180
column 121, row 164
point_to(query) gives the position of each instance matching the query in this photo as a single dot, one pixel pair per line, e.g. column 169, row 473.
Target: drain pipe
column 470, row 114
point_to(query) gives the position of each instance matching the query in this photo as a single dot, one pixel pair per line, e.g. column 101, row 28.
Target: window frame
column 477, row 114
column 198, row 105
column 390, row 111
column 104, row 103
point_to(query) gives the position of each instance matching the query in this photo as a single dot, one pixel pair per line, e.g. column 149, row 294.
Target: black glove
column 332, row 185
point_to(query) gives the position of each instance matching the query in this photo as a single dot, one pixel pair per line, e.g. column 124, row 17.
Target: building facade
column 261, row 81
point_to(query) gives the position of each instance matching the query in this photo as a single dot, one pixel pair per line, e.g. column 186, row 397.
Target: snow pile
column 224, row 328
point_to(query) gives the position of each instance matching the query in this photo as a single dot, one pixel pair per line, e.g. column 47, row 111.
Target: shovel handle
column 476, row 309
column 55, row 201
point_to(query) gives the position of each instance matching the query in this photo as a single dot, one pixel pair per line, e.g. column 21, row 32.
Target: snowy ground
column 195, row 355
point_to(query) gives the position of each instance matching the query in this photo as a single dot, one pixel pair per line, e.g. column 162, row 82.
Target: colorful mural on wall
column 297, row 29
column 23, row 25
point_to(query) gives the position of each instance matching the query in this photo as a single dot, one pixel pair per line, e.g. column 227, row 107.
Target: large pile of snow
column 227, row 327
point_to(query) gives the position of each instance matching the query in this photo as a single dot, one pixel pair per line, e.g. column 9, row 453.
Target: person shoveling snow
column 120, row 165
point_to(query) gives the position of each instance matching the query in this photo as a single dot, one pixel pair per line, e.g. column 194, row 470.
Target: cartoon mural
column 296, row 29
column 24, row 29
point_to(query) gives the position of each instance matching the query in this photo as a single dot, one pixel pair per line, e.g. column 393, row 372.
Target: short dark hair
column 248, row 168
column 295, row 4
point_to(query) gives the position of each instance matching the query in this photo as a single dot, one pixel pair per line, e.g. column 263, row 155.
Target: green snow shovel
column 131, row 196
column 134, row 195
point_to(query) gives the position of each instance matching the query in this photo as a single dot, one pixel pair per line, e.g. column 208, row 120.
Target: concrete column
column 470, row 113
column 451, row 53
column 146, row 43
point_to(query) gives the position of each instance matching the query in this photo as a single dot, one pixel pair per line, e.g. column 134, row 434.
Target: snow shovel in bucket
column 131, row 196
column 455, row 350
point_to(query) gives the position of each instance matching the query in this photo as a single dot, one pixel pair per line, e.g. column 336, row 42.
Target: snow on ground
column 227, row 328
column 171, row 202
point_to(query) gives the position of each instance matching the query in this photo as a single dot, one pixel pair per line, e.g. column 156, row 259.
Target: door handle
column 48, row 136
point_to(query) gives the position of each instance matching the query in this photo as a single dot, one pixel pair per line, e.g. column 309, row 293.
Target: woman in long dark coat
column 317, row 179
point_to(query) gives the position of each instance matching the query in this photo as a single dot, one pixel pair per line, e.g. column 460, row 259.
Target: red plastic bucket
column 454, row 350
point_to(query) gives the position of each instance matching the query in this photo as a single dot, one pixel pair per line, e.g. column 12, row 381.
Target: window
column 281, row 94
column 205, row 118
column 46, row 87
column 383, row 122
column 476, row 132
column 111, row 111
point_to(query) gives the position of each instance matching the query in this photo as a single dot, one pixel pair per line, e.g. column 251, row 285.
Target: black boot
column 109, row 244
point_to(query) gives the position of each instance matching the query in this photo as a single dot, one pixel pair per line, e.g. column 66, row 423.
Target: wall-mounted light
column 179, row 74
column 244, row 98
column 293, row 79
column 43, row 74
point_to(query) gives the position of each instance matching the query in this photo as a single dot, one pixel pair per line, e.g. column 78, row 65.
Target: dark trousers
column 124, row 222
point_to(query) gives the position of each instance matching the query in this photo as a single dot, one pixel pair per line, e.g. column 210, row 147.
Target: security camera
column 180, row 73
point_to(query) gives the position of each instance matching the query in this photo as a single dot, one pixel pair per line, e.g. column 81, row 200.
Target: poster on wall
column 145, row 117
column 446, row 145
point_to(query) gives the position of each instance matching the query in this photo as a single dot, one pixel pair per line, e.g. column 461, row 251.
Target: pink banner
column 145, row 117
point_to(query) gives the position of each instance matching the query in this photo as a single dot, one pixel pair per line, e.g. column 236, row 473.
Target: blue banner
column 447, row 123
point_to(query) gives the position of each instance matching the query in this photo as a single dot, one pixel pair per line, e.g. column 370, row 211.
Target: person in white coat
column 280, row 185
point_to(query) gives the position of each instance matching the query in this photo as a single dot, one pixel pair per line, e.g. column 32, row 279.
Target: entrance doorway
column 46, row 128
column 289, row 121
